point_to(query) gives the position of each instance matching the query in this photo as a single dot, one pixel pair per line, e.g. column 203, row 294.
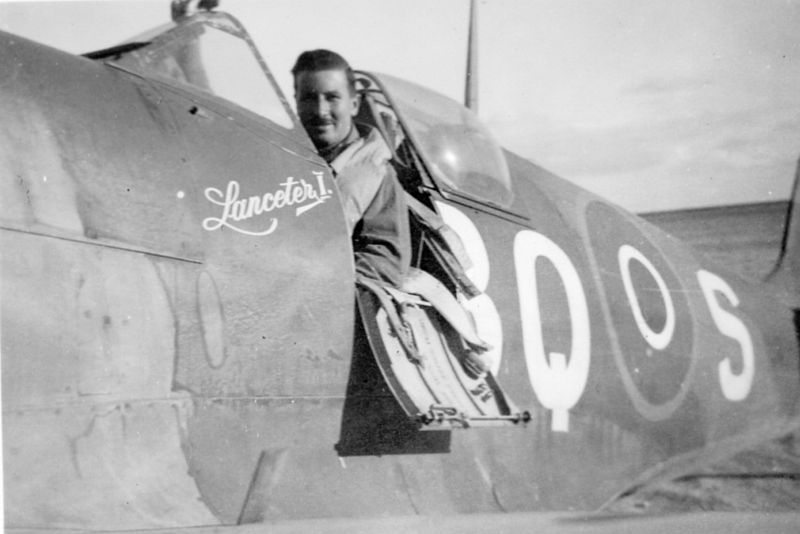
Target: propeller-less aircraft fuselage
column 184, row 344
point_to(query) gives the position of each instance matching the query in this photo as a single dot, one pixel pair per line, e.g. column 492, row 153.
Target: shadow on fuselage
column 373, row 423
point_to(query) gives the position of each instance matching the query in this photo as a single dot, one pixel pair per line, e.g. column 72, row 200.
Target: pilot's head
column 325, row 93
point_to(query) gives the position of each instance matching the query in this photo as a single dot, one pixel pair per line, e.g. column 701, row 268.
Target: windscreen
column 212, row 54
column 457, row 148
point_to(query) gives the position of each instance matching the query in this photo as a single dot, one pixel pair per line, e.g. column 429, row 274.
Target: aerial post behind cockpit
column 471, row 82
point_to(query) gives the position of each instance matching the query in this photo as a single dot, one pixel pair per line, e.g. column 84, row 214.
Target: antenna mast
column 471, row 82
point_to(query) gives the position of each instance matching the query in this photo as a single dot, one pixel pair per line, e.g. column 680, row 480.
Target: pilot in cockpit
column 374, row 200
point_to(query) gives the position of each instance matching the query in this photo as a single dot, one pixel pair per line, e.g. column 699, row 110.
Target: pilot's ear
column 356, row 100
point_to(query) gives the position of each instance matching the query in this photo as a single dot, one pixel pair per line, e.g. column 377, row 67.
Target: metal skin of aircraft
column 182, row 344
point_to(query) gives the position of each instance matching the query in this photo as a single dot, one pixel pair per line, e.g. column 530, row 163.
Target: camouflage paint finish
column 174, row 356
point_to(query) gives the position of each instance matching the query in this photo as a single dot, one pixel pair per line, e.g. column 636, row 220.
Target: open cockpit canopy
column 457, row 149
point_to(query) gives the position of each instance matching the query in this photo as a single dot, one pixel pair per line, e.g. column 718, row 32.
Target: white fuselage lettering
column 558, row 381
column 292, row 192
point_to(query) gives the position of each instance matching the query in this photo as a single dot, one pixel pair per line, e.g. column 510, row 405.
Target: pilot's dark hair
column 321, row 59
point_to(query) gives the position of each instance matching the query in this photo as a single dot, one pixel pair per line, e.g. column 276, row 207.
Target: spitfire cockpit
column 440, row 145
column 214, row 54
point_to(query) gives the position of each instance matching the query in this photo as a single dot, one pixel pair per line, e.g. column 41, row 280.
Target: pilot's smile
column 326, row 106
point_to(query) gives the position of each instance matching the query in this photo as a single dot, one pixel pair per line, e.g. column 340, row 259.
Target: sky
column 655, row 105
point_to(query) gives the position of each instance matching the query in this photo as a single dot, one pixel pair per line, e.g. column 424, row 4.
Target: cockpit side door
column 433, row 387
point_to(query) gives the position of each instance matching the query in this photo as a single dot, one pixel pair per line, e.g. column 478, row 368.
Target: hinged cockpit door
column 420, row 355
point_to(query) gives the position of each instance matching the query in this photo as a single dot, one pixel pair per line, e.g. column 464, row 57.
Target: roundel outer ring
column 645, row 407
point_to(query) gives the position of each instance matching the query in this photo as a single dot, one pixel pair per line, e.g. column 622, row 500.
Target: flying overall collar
column 329, row 154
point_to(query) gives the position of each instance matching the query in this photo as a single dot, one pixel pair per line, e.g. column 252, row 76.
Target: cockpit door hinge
column 448, row 414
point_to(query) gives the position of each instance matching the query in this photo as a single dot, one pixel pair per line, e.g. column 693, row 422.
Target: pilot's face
column 325, row 105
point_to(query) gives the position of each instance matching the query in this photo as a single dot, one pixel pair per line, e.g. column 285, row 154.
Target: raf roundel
column 648, row 311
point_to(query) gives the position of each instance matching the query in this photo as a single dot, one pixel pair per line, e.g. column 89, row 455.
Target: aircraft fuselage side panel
column 265, row 329
column 90, row 178
column 179, row 268
column 698, row 354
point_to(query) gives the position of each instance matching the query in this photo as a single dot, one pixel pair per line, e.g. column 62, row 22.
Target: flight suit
column 374, row 205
